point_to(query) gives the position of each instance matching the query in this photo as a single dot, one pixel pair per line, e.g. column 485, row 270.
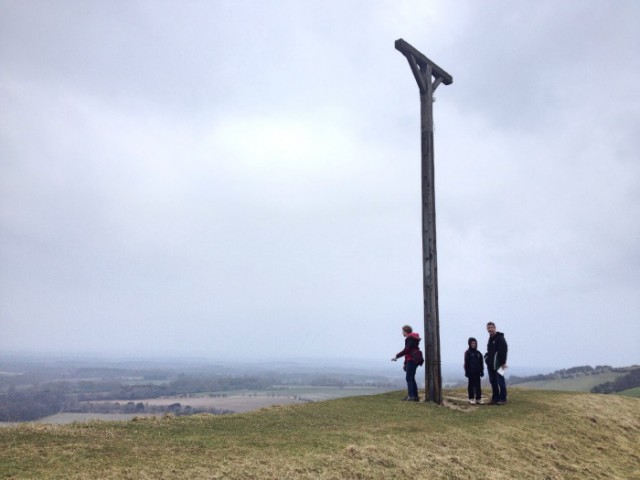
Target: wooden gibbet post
column 428, row 76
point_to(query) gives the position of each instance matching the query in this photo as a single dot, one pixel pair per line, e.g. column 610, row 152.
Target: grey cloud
column 144, row 205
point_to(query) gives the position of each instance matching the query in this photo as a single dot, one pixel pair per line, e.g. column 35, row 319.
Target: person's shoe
column 415, row 399
column 407, row 398
column 493, row 402
column 472, row 401
column 479, row 401
column 499, row 402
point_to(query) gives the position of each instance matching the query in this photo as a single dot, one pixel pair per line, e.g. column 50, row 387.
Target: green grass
column 537, row 435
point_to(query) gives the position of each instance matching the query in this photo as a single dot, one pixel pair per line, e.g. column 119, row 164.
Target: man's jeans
column 412, row 386
column 498, row 386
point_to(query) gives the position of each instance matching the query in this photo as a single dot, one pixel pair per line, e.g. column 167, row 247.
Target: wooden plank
column 420, row 80
column 406, row 49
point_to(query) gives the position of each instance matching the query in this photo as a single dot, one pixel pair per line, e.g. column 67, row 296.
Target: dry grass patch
column 545, row 435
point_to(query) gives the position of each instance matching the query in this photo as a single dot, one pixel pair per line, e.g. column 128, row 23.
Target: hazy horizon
column 355, row 364
column 241, row 178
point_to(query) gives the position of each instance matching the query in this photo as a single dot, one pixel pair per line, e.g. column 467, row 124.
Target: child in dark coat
column 473, row 370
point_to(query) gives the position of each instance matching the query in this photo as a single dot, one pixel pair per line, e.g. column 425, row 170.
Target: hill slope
column 550, row 435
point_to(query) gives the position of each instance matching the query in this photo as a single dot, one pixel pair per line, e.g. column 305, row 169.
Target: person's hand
column 504, row 366
column 482, row 374
column 466, row 375
column 394, row 359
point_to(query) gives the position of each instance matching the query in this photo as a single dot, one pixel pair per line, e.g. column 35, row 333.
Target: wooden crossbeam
column 408, row 50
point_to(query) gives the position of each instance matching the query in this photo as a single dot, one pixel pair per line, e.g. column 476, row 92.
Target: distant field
column 632, row 392
column 239, row 402
column 247, row 401
column 578, row 384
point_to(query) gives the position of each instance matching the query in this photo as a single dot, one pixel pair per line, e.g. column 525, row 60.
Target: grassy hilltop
column 545, row 435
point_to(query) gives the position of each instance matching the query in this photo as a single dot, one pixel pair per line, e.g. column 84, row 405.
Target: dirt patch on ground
column 459, row 403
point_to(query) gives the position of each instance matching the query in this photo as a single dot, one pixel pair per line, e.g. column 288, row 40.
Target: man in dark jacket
column 473, row 370
column 496, row 359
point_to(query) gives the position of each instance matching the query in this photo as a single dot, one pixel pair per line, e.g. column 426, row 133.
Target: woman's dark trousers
column 412, row 386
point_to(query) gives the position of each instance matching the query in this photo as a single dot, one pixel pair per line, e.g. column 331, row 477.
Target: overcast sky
column 242, row 178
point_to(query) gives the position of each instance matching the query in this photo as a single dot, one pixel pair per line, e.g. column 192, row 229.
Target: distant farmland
column 236, row 402
column 578, row 384
column 252, row 400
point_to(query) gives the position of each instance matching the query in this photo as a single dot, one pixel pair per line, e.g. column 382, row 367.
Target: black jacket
column 411, row 342
column 496, row 351
column 473, row 364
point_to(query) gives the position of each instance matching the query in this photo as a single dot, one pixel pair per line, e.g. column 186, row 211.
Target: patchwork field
column 239, row 402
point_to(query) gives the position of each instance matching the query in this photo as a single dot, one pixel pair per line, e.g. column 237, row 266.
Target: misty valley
column 32, row 388
column 52, row 389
